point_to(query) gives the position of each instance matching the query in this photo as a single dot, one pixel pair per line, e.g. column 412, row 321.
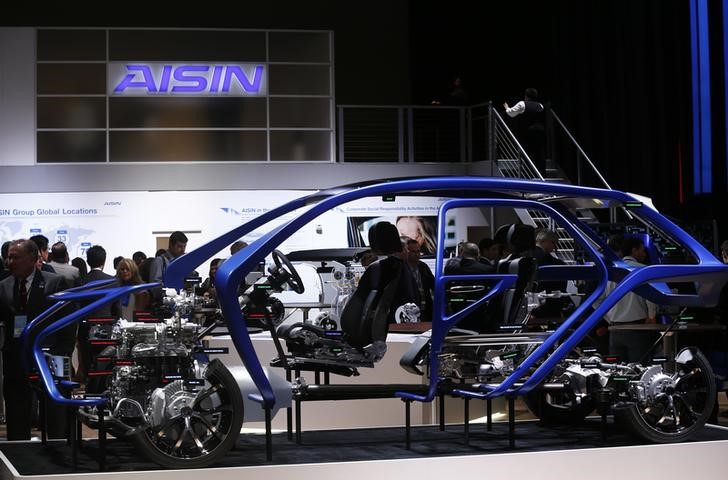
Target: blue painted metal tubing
column 637, row 277
column 232, row 271
column 31, row 341
column 438, row 335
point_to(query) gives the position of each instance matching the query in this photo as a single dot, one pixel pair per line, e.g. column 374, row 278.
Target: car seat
column 365, row 318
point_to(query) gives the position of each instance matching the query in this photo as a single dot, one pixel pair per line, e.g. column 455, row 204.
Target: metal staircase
column 512, row 161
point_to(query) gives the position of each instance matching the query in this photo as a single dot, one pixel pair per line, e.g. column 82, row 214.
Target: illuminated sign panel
column 186, row 79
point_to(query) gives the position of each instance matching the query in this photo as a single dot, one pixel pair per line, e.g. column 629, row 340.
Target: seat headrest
column 387, row 238
column 521, row 238
column 501, row 234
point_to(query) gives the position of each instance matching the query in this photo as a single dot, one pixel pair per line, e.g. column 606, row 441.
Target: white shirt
column 516, row 109
column 631, row 307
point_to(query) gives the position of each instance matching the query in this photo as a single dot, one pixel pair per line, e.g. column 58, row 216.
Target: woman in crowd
column 128, row 274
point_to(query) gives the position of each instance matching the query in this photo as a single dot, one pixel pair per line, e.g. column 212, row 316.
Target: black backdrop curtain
column 617, row 72
column 622, row 78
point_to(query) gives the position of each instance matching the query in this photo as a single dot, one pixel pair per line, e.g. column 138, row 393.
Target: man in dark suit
column 96, row 259
column 468, row 263
column 41, row 241
column 551, row 308
column 24, row 296
column 421, row 278
column 4, row 272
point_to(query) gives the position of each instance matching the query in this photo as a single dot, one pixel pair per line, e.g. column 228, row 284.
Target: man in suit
column 4, row 272
column 530, row 127
column 41, row 242
column 490, row 252
column 96, row 259
column 468, row 263
column 422, row 279
column 552, row 309
column 59, row 262
column 24, row 296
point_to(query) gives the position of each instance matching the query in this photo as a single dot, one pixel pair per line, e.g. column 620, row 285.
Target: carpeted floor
column 32, row 458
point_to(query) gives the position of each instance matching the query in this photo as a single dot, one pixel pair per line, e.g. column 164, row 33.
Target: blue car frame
column 687, row 381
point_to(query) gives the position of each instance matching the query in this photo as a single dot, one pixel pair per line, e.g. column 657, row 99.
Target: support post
column 268, row 435
column 298, row 421
column 407, row 424
column 511, row 422
column 489, row 414
column 289, row 410
column 73, row 437
column 442, row 412
column 43, row 418
column 102, row 439
column 466, row 420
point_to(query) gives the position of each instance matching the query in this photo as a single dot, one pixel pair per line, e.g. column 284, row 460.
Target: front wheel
column 677, row 404
column 194, row 429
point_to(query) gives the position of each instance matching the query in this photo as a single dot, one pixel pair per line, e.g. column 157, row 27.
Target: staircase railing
column 402, row 133
column 581, row 157
column 491, row 140
column 511, row 157
column 449, row 134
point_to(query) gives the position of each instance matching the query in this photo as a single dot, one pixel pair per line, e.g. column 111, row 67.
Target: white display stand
column 321, row 415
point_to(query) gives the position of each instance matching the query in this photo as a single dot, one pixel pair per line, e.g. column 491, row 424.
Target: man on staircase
column 530, row 128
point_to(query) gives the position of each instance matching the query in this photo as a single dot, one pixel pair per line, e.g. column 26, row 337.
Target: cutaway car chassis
column 185, row 411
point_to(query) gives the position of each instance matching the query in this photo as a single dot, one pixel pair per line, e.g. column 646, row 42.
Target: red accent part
column 102, row 342
column 100, row 373
column 100, row 320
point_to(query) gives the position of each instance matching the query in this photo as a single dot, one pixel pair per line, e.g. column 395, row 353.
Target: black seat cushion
column 512, row 300
column 370, row 309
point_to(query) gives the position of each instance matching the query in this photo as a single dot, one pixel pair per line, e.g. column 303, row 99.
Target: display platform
column 381, row 453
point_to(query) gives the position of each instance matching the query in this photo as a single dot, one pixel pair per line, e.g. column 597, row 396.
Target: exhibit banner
column 126, row 222
column 77, row 219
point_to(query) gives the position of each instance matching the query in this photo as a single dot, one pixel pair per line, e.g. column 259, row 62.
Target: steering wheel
column 293, row 279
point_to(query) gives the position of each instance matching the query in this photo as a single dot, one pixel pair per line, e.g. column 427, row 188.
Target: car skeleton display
column 185, row 411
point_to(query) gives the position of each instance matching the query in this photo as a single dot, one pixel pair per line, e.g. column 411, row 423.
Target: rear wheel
column 677, row 404
column 196, row 429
